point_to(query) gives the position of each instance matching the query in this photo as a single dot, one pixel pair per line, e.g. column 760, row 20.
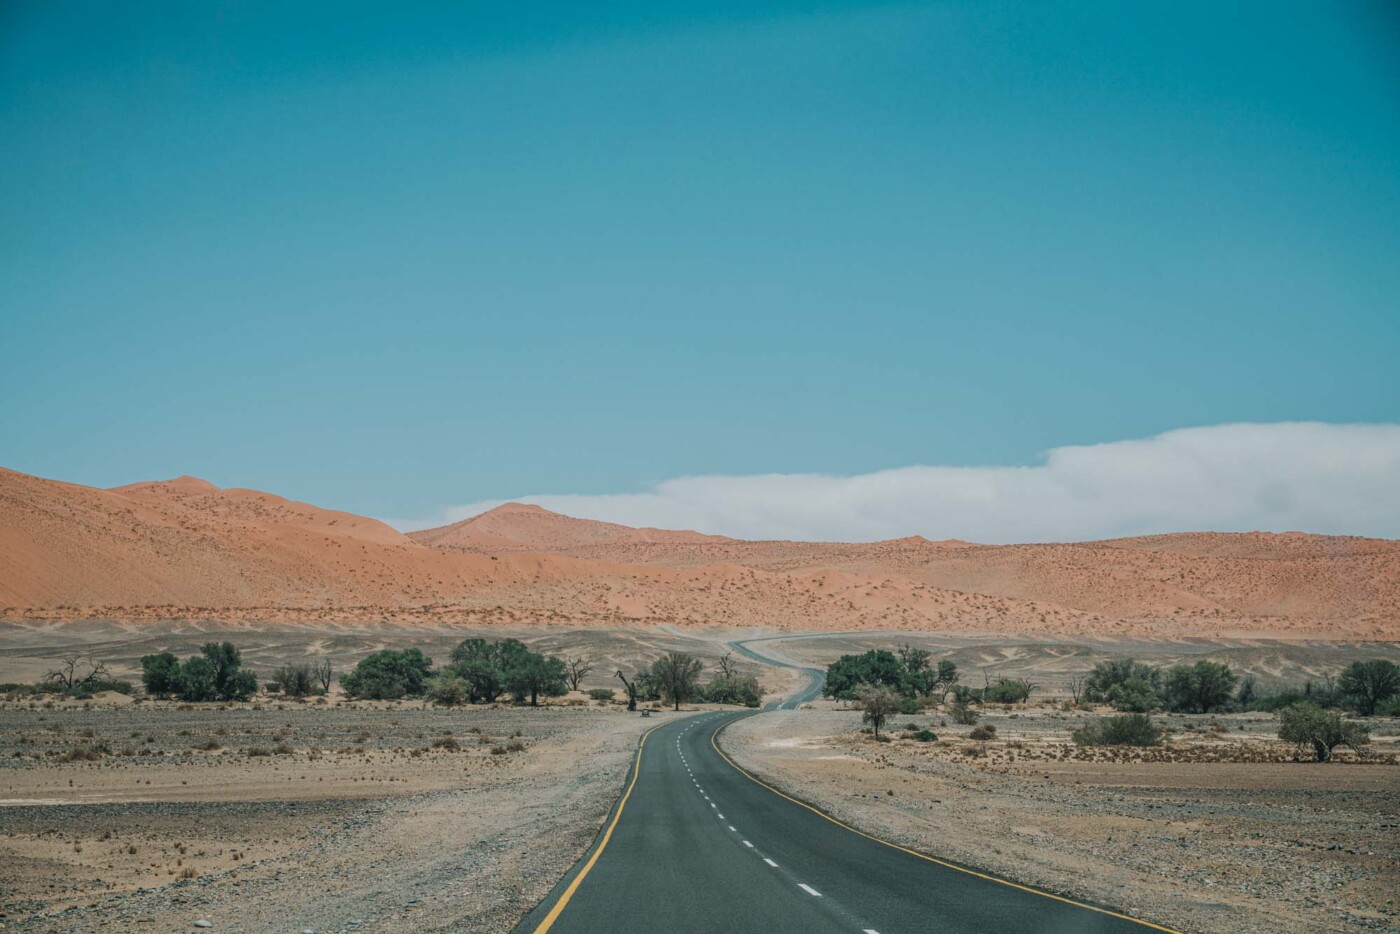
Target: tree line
column 1364, row 687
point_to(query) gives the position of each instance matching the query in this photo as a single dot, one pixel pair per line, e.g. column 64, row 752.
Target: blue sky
column 391, row 260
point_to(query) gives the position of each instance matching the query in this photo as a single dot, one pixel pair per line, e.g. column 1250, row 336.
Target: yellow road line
column 559, row 906
column 924, row 856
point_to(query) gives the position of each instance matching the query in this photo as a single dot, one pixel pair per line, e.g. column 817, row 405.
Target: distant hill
column 523, row 527
column 184, row 548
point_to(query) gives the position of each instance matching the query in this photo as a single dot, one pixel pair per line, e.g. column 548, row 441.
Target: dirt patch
column 390, row 817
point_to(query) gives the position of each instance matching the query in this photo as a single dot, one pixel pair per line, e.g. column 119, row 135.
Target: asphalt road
column 697, row 845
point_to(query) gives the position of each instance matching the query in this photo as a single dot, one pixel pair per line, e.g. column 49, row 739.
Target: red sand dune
column 186, row 549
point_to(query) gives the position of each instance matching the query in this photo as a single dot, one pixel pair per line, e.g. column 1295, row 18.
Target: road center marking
column 770, row 862
column 748, row 844
column 808, row 889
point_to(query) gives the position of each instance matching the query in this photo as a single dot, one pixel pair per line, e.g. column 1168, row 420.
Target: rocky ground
column 1220, row 831
column 385, row 817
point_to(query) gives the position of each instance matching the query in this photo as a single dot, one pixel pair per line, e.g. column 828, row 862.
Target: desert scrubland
column 1220, row 830
column 123, row 812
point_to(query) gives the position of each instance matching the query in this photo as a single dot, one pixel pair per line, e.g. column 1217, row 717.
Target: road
column 695, row 844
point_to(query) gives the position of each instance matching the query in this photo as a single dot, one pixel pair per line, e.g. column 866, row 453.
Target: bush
column 963, row 712
column 878, row 704
column 389, row 674
column 1307, row 724
column 295, row 681
column 910, row 705
column 447, row 691
column 984, row 732
column 1199, row 688
column 1389, row 708
column 1135, row 695
column 926, row 736
column 602, row 694
column 732, row 689
column 1106, row 675
column 1128, row 729
column 1007, row 691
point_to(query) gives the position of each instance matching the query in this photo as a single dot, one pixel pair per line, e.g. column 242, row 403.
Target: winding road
column 696, row 844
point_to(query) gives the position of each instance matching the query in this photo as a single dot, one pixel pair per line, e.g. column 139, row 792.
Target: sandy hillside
column 185, row 549
column 522, row 527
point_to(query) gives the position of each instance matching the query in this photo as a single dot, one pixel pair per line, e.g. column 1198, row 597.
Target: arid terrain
column 331, row 815
column 1221, row 830
column 186, row 550
column 344, row 816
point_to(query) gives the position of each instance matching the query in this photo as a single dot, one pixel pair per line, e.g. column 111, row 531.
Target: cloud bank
column 1291, row 476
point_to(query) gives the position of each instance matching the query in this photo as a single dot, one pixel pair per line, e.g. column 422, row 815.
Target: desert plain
column 331, row 814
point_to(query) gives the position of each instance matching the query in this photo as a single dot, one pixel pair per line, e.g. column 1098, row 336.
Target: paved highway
column 695, row 844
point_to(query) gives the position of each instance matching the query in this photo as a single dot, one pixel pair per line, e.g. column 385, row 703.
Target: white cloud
column 1304, row 476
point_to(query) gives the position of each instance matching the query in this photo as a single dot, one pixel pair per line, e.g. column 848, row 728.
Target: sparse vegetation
column 1126, row 729
column 733, row 689
column 677, row 677
column 1309, row 725
column 877, row 703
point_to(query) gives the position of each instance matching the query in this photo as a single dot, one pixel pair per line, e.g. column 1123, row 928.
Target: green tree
column 160, row 673
column 1307, row 724
column 846, row 675
column 1106, row 675
column 225, row 658
column 677, row 675
column 485, row 682
column 239, row 685
column 1198, row 688
column 535, row 674
column 198, row 679
column 1366, row 684
column 1134, row 695
column 389, row 675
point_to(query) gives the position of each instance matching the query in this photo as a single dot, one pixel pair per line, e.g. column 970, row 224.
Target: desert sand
column 185, row 549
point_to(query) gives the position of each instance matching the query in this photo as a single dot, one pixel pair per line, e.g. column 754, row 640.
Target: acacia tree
column 323, row 674
column 1307, row 724
column 575, row 670
column 76, row 669
column 727, row 666
column 535, row 675
column 678, row 676
column 1366, row 684
column 878, row 704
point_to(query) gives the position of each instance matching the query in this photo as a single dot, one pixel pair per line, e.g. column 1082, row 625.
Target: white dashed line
column 731, row 827
column 808, row 889
column 748, row 844
column 770, row 862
